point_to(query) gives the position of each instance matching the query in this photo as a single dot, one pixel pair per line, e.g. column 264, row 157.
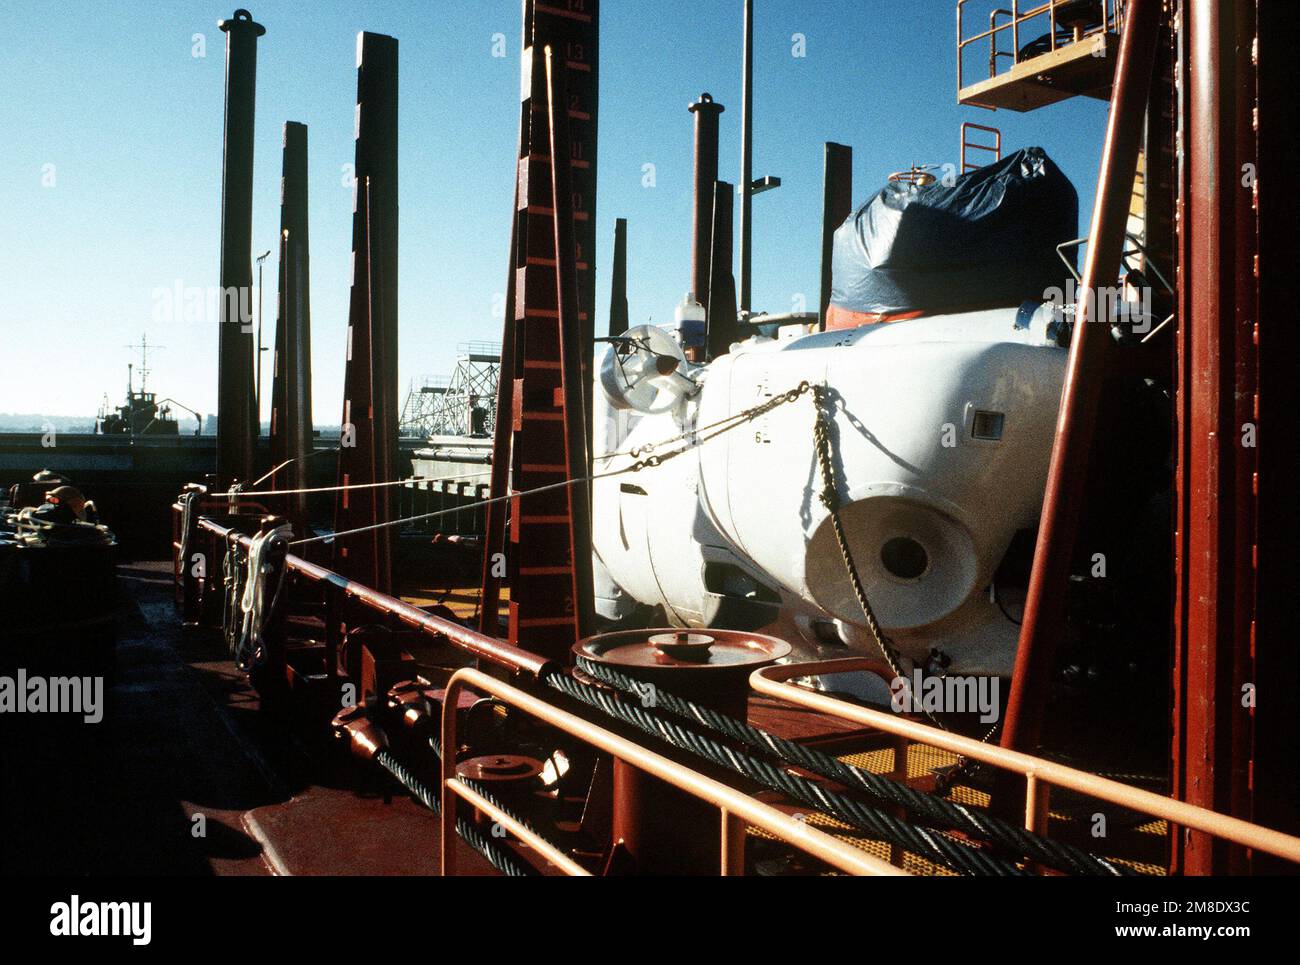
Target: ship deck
column 184, row 736
column 190, row 774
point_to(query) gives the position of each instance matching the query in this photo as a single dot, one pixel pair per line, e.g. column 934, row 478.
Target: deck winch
column 662, row 829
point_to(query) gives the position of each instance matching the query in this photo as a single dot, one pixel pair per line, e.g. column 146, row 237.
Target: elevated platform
column 1084, row 68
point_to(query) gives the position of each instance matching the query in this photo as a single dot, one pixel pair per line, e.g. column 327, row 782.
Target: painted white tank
column 943, row 430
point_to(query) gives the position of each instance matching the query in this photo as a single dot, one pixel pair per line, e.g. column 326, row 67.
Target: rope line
column 693, row 439
column 291, row 460
column 728, row 422
column 350, row 486
column 442, row 512
column 248, row 584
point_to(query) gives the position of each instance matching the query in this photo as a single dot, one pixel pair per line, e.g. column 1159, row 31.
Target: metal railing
column 736, row 809
column 1112, row 21
column 1040, row 775
column 339, row 589
column 995, row 148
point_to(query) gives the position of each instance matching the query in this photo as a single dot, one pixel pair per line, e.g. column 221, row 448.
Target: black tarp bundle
column 987, row 240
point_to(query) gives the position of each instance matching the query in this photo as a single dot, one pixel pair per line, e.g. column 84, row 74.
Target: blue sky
column 110, row 177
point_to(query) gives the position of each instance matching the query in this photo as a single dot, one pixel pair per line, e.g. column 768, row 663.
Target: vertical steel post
column 548, row 324
column 837, row 204
column 706, row 113
column 356, row 556
column 1236, row 670
column 368, row 447
column 618, row 282
column 494, row 523
column 376, row 161
column 572, row 341
column 291, row 419
column 722, row 328
column 746, row 157
column 1089, row 348
column 1275, row 767
column 495, row 514
column 236, row 416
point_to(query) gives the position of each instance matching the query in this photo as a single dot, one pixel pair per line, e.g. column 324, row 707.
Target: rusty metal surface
column 542, row 432
column 366, row 453
column 1091, row 343
column 729, row 805
column 1235, row 552
column 661, row 828
column 704, row 173
column 574, row 331
column 331, row 831
column 291, row 415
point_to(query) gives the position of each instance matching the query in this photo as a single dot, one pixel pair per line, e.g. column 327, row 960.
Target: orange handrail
column 995, row 148
column 734, row 806
column 1112, row 21
column 1040, row 774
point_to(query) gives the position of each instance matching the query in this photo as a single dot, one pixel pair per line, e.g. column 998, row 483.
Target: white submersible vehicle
column 942, row 426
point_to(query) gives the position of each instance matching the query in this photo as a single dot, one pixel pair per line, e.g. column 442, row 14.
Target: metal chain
column 830, row 498
column 697, row 437
column 934, row 810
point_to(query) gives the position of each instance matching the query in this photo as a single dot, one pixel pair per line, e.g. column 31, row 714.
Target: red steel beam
column 574, row 383
column 1215, row 641
column 369, row 442
column 1044, row 616
column 547, row 346
column 705, row 173
column 291, row 420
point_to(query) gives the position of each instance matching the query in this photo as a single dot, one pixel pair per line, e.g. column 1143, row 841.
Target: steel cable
column 939, row 847
column 937, row 811
column 692, row 439
column 497, row 856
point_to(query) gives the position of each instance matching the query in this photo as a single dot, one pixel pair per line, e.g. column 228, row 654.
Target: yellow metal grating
column 1139, row 846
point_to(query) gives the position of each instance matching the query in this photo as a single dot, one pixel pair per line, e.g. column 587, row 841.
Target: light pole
column 748, row 186
column 257, row 418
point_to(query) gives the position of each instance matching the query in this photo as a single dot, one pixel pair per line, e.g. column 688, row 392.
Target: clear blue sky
column 110, row 174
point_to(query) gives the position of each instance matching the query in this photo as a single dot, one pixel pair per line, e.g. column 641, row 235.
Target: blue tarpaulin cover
column 986, row 240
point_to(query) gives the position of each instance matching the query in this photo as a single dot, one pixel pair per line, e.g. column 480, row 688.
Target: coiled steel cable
column 937, row 846
column 935, row 811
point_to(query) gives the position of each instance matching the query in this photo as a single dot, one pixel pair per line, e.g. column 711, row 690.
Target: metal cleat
column 366, row 738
